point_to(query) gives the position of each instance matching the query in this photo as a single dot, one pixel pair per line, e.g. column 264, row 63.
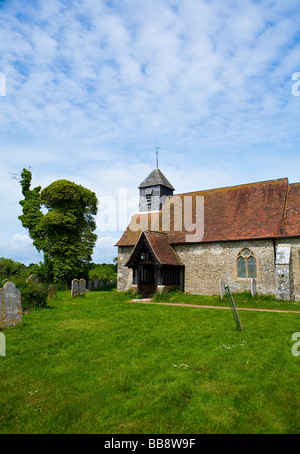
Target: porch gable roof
column 160, row 247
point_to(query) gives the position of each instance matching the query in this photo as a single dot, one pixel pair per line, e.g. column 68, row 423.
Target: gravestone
column 95, row 283
column 10, row 305
column 32, row 278
column 75, row 288
column 52, row 292
column 82, row 287
column 90, row 285
column 78, row 288
column 253, row 287
column 222, row 288
column 101, row 283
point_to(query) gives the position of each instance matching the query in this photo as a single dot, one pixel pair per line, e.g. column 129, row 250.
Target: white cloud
column 19, row 247
column 92, row 87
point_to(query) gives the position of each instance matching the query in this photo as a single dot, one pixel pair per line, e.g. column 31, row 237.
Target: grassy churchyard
column 102, row 364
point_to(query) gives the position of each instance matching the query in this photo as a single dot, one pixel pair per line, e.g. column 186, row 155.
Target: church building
column 193, row 240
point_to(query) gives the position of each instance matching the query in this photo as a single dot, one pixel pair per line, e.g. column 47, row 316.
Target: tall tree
column 65, row 232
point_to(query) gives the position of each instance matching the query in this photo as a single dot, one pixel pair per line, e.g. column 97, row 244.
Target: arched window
column 246, row 265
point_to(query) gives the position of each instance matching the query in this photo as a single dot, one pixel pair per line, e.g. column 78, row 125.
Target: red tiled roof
column 291, row 219
column 164, row 253
column 268, row 209
column 159, row 244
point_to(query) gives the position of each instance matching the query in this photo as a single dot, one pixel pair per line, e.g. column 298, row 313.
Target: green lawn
column 99, row 364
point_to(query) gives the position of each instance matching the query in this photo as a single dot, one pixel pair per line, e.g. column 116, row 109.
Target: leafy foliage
column 33, row 295
column 166, row 295
column 31, row 207
column 42, row 270
column 10, row 268
column 102, row 271
column 65, row 232
column 133, row 294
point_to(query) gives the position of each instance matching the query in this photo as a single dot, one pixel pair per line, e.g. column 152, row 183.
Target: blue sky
column 92, row 87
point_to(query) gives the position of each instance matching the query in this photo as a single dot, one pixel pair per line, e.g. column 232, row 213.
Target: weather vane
column 157, row 148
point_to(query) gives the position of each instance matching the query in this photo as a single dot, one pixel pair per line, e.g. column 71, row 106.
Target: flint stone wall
column 207, row 263
column 125, row 275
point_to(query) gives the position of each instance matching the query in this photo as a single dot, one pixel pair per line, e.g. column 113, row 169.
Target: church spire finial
column 157, row 148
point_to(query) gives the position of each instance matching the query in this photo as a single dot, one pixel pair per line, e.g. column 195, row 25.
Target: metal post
column 233, row 308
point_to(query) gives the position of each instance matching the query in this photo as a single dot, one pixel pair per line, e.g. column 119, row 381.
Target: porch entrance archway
column 155, row 264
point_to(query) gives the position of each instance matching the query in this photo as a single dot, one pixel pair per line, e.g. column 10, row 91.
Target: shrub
column 106, row 287
column 60, row 285
column 165, row 295
column 102, row 271
column 133, row 294
column 10, row 268
column 43, row 271
column 32, row 295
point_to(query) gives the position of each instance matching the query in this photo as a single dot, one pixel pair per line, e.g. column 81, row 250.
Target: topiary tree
column 65, row 233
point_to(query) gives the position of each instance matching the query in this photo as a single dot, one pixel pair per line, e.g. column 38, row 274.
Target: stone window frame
column 246, row 258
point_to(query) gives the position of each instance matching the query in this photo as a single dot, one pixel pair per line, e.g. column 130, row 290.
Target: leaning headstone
column 82, row 287
column 222, row 288
column 75, row 291
column 52, row 292
column 10, row 305
column 233, row 309
column 253, row 287
column 32, row 278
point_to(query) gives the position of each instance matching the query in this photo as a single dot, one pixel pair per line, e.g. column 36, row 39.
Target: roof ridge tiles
column 285, row 179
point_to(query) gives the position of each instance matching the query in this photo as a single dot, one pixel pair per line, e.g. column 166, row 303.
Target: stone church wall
column 125, row 274
column 294, row 267
column 207, row 263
